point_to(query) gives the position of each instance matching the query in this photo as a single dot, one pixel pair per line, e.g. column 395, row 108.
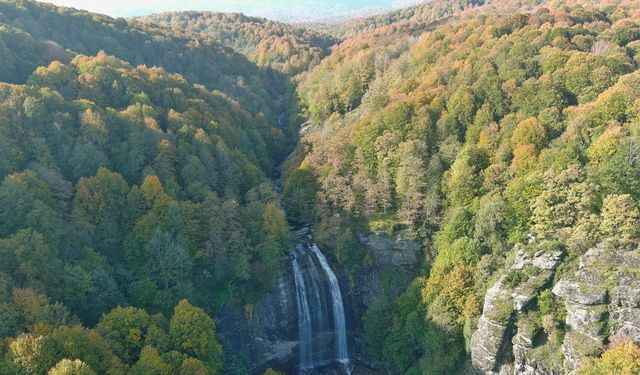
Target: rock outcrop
column 602, row 298
column 499, row 345
column 395, row 261
column 392, row 251
column 266, row 333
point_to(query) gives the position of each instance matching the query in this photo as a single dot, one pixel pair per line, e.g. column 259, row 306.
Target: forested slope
column 136, row 199
column 483, row 133
column 129, row 186
column 280, row 46
column 199, row 60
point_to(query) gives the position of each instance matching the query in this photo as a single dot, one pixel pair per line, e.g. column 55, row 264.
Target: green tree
column 31, row 262
column 102, row 200
column 193, row 333
column 169, row 260
column 299, row 195
column 150, row 363
column 273, row 248
column 69, row 367
column 125, row 329
column 86, row 345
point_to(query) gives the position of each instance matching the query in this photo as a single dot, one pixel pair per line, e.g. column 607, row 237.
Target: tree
column 31, row 262
column 299, row 195
column 86, row 159
column 169, row 260
column 464, row 179
column 193, row 333
column 273, row 247
column 349, row 251
column 102, row 200
column 620, row 217
column 32, row 353
column 462, row 106
column 566, row 199
column 192, row 366
column 620, row 359
column 125, row 329
column 150, row 363
column 529, row 132
column 69, row 367
column 86, row 345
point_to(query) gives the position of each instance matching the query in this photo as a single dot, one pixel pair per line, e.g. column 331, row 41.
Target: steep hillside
column 470, row 168
column 484, row 133
column 199, row 60
column 131, row 186
column 267, row 43
column 121, row 187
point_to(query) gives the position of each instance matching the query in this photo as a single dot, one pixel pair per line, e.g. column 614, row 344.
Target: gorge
column 452, row 188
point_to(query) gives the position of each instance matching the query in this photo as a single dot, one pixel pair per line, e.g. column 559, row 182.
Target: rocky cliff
column 598, row 298
column 266, row 334
column 395, row 264
column 602, row 299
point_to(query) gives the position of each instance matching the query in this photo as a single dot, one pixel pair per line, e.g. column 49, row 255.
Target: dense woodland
column 472, row 138
column 130, row 186
column 137, row 156
column 288, row 49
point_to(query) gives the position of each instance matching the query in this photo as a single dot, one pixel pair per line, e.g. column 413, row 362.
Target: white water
column 304, row 317
column 342, row 354
column 321, row 328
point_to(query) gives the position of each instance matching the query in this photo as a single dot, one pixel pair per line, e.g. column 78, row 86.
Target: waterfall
column 338, row 308
column 321, row 318
column 304, row 317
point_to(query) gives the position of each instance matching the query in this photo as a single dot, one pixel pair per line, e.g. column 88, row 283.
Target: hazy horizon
column 282, row 10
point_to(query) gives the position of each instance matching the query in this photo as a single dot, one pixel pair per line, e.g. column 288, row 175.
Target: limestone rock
column 580, row 293
column 603, row 293
column 497, row 346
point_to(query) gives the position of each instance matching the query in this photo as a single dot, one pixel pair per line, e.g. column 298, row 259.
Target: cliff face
column 500, row 344
column 395, row 265
column 266, row 334
column 600, row 299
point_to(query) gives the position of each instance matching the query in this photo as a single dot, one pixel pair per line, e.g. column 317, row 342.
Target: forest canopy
column 152, row 170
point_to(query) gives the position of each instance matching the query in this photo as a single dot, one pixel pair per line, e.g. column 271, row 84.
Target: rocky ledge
column 499, row 346
column 601, row 298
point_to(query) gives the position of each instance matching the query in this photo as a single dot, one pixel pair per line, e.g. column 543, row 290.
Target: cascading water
column 304, row 317
column 321, row 319
column 340, row 326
